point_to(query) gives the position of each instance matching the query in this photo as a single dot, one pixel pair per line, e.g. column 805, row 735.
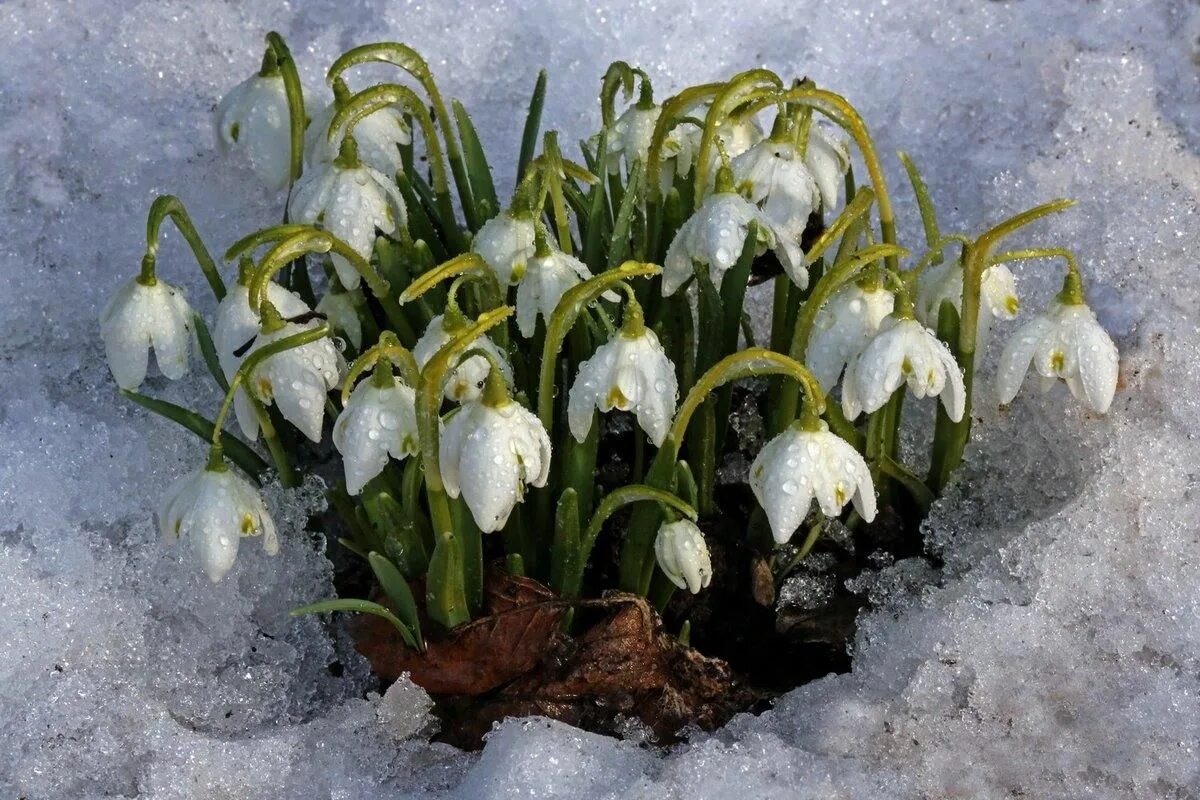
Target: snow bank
column 1058, row 653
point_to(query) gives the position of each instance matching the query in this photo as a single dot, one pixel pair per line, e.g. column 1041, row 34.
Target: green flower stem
column 838, row 110
column 1072, row 291
column 637, row 557
column 245, row 370
column 569, row 308
column 166, row 206
column 843, row 227
column 245, row 246
column 297, row 120
column 619, row 76
column 410, row 61
column 389, row 350
column 612, row 503
column 951, row 437
column 733, row 94
column 380, row 96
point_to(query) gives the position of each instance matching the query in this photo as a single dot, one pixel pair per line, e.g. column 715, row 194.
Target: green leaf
column 445, row 595
column 565, row 569
column 396, row 531
column 479, row 174
column 246, row 459
column 397, row 590
column 361, row 607
column 619, row 243
column 209, row 351
column 533, row 123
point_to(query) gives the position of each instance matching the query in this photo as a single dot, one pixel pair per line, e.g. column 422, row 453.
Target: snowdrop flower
column 254, row 119
column 297, row 380
column 380, row 420
column 715, row 235
column 352, row 201
column 843, row 327
column 630, row 139
column 944, row 283
column 506, row 243
column 827, row 160
column 341, row 309
column 489, row 451
column 546, row 281
column 682, row 555
column 803, row 464
column 735, row 137
column 146, row 313
column 214, row 508
column 466, row 380
column 379, row 136
column 236, row 326
column 774, row 177
column 630, row 372
column 1066, row 343
column 903, row 351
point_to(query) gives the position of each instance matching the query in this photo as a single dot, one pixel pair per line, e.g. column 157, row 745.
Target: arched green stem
column 166, row 206
column 275, row 233
column 569, row 307
column 369, row 101
column 467, row 264
column 410, row 61
column 247, row 368
column 611, row 504
column 839, row 110
column 313, row 240
column 933, row 255
column 1072, row 291
column 673, row 109
column 297, row 120
column 619, row 76
column 732, row 95
column 389, row 350
column 855, row 210
column 950, row 438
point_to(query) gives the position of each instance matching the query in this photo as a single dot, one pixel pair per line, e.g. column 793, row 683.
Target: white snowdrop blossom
column 735, row 137
column 299, row 379
column 141, row 317
column 352, row 203
column 466, row 380
column 944, row 283
column 714, row 237
column 799, row 466
column 340, row 309
column 628, row 373
column 489, row 454
column 842, row 329
column 379, row 135
column 378, row 422
column 775, row 178
column 827, row 160
column 253, row 118
column 236, row 326
column 506, row 243
column 1065, row 342
column 903, row 351
column 682, row 555
column 546, row 281
column 213, row 509
column 630, row 139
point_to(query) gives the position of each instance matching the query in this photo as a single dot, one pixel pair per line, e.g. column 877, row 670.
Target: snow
column 1056, row 655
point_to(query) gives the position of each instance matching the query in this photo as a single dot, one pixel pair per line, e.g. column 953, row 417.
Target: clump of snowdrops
column 467, row 356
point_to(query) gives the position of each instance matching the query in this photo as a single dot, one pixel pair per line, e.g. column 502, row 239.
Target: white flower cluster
column 874, row 334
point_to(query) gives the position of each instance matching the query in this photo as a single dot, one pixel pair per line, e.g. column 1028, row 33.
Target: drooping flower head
column 144, row 315
column 298, row 380
column 630, row 372
column 379, row 136
column 903, row 352
column 379, row 422
column 682, row 555
column 506, row 243
column 466, row 380
column 213, row 509
column 490, row 450
column 775, row 178
column 803, row 464
column 943, row 283
column 550, row 273
column 352, row 201
column 253, row 118
column 843, row 327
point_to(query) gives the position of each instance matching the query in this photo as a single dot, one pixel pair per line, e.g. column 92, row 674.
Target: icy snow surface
column 1057, row 655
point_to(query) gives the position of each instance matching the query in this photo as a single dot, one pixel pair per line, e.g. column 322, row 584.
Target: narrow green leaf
column 619, row 244
column 397, row 590
column 241, row 454
column 533, row 123
column 445, row 595
column 209, row 351
column 361, row 607
column 565, row 556
column 479, row 174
